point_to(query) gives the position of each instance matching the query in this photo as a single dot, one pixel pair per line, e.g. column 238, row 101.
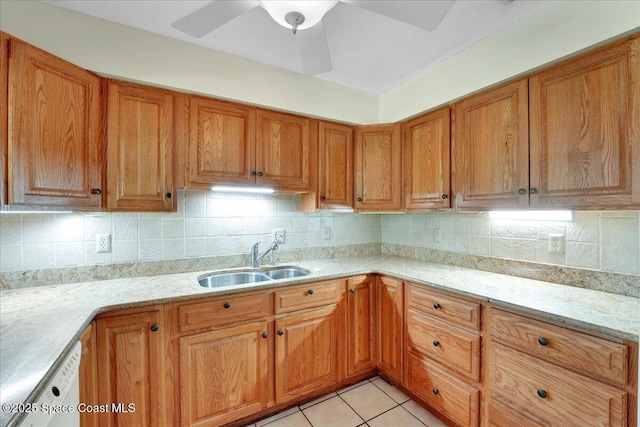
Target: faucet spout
column 256, row 258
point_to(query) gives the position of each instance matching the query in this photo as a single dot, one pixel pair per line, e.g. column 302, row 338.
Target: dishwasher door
column 57, row 406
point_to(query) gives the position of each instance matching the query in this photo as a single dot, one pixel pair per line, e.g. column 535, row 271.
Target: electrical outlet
column 437, row 235
column 103, row 243
column 556, row 243
column 278, row 235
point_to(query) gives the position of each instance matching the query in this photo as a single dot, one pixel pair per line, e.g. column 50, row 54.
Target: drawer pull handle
column 522, row 191
column 435, row 391
column 436, row 306
column 96, row 191
column 436, row 343
column 281, row 332
column 265, row 335
column 352, row 290
column 543, row 341
column 154, row 328
column 226, row 305
column 310, row 291
column 542, row 393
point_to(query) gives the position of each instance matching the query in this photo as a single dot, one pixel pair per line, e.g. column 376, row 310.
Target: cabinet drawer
column 569, row 348
column 222, row 311
column 444, row 393
column 452, row 347
column 307, row 296
column 551, row 394
column 445, row 307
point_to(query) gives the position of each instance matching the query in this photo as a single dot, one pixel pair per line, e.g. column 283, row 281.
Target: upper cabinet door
column 378, row 168
column 427, row 144
column 335, row 166
column 491, row 149
column 55, row 139
column 221, row 143
column 140, row 148
column 585, row 124
column 283, row 150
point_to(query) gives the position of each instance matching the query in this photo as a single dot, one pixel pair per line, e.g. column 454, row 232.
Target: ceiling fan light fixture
column 312, row 11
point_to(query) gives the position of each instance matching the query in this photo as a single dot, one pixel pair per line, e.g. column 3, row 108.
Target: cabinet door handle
column 265, row 335
column 359, row 199
column 154, row 327
column 445, row 197
column 542, row 393
column 533, row 190
column 322, row 198
column 436, row 306
column 352, row 290
column 253, row 173
column 226, row 305
column 260, row 174
column 310, row 291
column 169, row 195
column 281, row 332
column 435, row 391
column 522, row 191
column 96, row 191
column 543, row 341
column 436, row 343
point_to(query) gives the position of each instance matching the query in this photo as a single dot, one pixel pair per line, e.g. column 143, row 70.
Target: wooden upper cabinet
column 491, row 149
column 4, row 119
column 55, row 140
column 283, row 150
column 221, row 143
column 426, row 157
column 140, row 148
column 378, row 168
column 335, row 166
column 585, row 127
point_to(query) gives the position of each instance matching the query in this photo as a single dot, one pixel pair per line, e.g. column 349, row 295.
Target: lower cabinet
column 307, row 353
column 223, row 374
column 391, row 327
column 88, row 372
column 132, row 374
column 360, row 324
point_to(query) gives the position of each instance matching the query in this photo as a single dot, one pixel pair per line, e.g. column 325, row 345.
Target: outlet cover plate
column 103, row 243
column 556, row 243
column 279, row 235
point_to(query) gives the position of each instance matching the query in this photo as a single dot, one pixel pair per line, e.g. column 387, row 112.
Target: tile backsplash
column 206, row 224
column 607, row 241
column 209, row 224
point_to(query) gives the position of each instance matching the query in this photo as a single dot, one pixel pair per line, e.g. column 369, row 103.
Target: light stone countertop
column 38, row 326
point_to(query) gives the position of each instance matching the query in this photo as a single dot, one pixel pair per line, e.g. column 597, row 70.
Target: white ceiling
column 369, row 52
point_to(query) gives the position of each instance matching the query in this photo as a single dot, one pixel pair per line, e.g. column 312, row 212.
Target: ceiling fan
column 304, row 19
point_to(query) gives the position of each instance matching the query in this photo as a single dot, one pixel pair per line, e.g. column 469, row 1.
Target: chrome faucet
column 255, row 258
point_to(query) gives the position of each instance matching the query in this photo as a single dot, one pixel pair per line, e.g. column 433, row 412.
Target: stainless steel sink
column 218, row 280
column 286, row 273
column 230, row 279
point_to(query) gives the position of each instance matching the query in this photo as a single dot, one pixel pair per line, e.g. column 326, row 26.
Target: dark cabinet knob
column 436, row 343
column 265, row 335
column 323, row 198
column 56, row 391
column 445, row 197
column 154, row 327
column 436, row 306
column 169, row 195
column 352, row 290
column 533, row 190
column 253, row 173
column 359, row 199
column 260, row 174
column 310, row 291
column 96, row 191
column 543, row 341
column 522, row 191
column 281, row 332
column 435, row 391
column 542, row 394
column 226, row 305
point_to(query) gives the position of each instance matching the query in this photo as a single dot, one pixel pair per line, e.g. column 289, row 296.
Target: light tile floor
column 373, row 403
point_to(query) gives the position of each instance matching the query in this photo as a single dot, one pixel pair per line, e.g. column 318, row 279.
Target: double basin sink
column 218, row 280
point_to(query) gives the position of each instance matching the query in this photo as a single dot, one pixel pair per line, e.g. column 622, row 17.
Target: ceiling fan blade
column 426, row 15
column 211, row 16
column 314, row 50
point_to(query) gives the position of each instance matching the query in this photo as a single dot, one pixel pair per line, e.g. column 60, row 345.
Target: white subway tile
column 38, row 256
column 11, row 258
column 583, row 255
